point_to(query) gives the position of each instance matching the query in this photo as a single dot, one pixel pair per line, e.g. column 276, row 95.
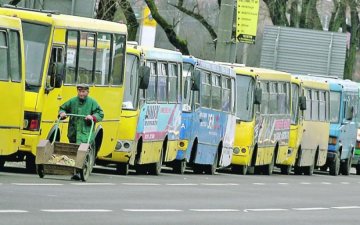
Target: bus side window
column 173, row 83
column 117, row 73
column 273, row 107
column 226, row 95
column 264, row 107
column 71, row 56
column 102, row 63
column 206, row 89
column 216, row 92
column 322, row 106
column 162, row 81
column 151, row 91
column 86, row 57
column 15, row 56
column 315, row 105
column 308, row 104
column 4, row 70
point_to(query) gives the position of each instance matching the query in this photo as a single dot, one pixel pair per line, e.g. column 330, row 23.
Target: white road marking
column 92, row 184
column 141, row 184
column 310, row 209
column 346, row 207
column 259, row 183
column 152, row 210
column 325, row 183
column 219, row 184
column 345, row 182
column 306, row 183
column 75, row 210
column 13, row 211
column 214, row 210
column 283, row 183
column 184, row 184
column 264, row 210
column 36, row 184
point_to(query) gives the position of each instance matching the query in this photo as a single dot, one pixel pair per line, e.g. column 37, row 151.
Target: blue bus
column 344, row 97
column 208, row 117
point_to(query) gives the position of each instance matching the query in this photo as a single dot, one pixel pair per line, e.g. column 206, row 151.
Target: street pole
column 225, row 26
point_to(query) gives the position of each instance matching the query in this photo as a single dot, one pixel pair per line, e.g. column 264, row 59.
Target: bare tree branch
column 14, row 2
column 131, row 20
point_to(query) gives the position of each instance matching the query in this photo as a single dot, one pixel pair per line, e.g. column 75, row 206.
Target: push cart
column 57, row 158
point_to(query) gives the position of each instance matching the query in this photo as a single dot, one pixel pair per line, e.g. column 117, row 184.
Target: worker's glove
column 90, row 118
column 62, row 115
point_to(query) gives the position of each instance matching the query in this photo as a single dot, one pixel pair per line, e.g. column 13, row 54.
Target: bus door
column 12, row 91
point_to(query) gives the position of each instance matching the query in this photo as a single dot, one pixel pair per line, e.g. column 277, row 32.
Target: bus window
column 281, row 99
column 130, row 93
column 216, row 92
column 226, row 95
column 206, row 89
column 245, row 87
column 264, row 107
column 334, row 107
column 233, row 98
column 308, row 104
column 322, row 106
column 86, row 57
column 151, row 91
column 15, row 60
column 102, row 59
column 287, row 97
column 173, row 83
column 315, row 105
column 161, row 82
column 36, row 39
column 118, row 60
column 295, row 103
column 4, row 75
column 273, row 107
column 71, row 57
column 187, row 72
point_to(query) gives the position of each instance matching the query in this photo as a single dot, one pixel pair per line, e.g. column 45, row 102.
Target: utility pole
column 224, row 40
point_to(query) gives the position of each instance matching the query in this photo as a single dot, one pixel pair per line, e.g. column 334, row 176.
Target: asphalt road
column 223, row 199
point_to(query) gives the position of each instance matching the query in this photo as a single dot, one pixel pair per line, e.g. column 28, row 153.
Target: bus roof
column 10, row 22
column 131, row 49
column 314, row 84
column 263, row 74
column 66, row 21
column 161, row 54
column 335, row 84
column 209, row 66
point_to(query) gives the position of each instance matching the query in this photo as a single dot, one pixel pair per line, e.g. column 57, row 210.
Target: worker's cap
column 82, row 86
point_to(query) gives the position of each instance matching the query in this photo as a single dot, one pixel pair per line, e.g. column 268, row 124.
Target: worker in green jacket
column 82, row 104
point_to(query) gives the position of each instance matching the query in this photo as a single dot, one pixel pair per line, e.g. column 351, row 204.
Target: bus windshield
column 187, row 71
column 36, row 38
column 245, row 91
column 130, row 92
column 334, row 106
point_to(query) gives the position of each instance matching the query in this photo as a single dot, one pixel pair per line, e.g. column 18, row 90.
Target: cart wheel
column 86, row 170
column 40, row 170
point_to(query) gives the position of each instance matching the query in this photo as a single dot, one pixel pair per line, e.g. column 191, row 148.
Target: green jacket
column 79, row 129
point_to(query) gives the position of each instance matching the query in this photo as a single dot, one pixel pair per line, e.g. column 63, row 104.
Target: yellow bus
column 310, row 125
column 310, row 128
column 151, row 116
column 60, row 52
column 12, row 87
column 263, row 119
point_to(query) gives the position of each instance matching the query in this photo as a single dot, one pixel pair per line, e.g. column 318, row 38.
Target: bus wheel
column 239, row 169
column 309, row 170
column 345, row 167
column 30, row 163
column 155, row 168
column 298, row 170
column 358, row 169
column 268, row 169
column 141, row 169
column 2, row 163
column 286, row 169
column 198, row 169
column 211, row 169
column 335, row 165
column 324, row 168
column 179, row 166
column 40, row 171
column 122, row 168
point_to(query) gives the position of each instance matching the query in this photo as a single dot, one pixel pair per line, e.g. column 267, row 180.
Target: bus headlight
column 236, row 150
column 332, row 140
column 118, row 145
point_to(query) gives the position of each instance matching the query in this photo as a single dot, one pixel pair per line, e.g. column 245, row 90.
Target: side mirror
column 302, row 103
column 56, row 74
column 144, row 75
column 195, row 80
column 257, row 96
column 349, row 112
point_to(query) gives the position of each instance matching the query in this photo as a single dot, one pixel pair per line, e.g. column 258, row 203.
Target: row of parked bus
column 163, row 108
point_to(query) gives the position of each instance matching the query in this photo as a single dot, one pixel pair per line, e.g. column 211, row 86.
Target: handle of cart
column 73, row 115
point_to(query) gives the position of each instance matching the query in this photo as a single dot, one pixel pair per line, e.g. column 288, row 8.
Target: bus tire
column 345, row 167
column 2, row 163
column 285, row 169
column 239, row 169
column 298, row 170
column 179, row 166
column 198, row 169
column 211, row 169
column 309, row 170
column 357, row 169
column 30, row 163
column 334, row 167
column 155, row 168
column 122, row 168
column 40, row 171
column 141, row 169
column 268, row 169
